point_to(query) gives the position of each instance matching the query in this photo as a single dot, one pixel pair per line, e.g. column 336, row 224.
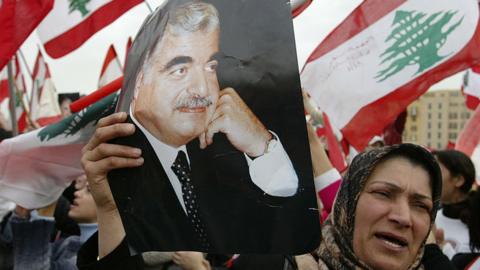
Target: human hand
column 100, row 157
column 22, row 212
column 48, row 210
column 242, row 128
column 190, row 260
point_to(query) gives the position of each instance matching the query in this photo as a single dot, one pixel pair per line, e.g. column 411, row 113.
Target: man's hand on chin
column 242, row 128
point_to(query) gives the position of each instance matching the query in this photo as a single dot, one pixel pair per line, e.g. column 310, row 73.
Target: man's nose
column 199, row 83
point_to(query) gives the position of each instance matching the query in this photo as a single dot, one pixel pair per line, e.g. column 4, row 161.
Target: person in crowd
column 459, row 218
column 35, row 242
column 384, row 211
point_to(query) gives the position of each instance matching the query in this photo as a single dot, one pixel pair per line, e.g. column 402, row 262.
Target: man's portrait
column 213, row 90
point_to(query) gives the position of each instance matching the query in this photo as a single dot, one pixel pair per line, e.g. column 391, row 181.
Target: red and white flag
column 298, row 6
column 44, row 108
column 20, row 90
column 469, row 140
column 384, row 56
column 73, row 22
column 18, row 18
column 111, row 69
column 129, row 45
column 3, row 84
column 471, row 87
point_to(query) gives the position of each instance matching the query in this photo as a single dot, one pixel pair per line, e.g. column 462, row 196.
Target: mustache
column 191, row 102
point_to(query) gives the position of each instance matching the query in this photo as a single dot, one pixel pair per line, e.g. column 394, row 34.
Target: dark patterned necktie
column 190, row 198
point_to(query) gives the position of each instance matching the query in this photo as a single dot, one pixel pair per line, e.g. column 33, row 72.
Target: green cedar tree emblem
column 75, row 122
column 417, row 40
column 79, row 5
column 18, row 98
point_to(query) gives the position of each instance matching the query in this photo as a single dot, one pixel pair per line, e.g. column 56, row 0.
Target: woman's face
column 392, row 217
column 83, row 209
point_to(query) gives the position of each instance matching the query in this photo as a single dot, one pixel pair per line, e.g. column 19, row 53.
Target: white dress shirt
column 272, row 172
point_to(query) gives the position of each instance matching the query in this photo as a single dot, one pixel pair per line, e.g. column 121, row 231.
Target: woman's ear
column 459, row 181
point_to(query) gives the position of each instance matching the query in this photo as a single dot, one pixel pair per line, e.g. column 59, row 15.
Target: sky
column 79, row 71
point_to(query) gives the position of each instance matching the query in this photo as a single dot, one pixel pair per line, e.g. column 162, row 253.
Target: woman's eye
column 382, row 193
column 422, row 206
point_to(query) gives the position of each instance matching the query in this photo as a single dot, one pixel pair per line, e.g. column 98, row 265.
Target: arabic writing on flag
column 384, row 55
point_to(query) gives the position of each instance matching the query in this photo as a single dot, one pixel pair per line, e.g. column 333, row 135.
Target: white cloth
column 272, row 172
column 455, row 232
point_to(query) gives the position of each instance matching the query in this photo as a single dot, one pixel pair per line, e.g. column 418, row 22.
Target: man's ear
column 459, row 181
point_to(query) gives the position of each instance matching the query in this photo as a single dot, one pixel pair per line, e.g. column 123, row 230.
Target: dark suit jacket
column 239, row 216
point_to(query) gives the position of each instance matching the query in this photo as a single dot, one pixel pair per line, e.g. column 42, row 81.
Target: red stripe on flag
column 301, row 8
column 3, row 90
column 469, row 138
column 471, row 101
column 334, row 152
column 44, row 121
column 392, row 104
column 111, row 55
column 362, row 17
column 76, row 36
column 18, row 18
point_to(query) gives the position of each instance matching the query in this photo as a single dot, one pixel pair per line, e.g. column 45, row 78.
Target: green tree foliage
column 416, row 41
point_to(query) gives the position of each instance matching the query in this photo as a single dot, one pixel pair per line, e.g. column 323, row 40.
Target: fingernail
column 140, row 160
column 137, row 151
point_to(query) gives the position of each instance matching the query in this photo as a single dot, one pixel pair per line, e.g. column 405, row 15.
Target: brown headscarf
column 336, row 248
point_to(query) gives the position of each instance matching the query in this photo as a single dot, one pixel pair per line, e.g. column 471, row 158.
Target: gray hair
column 192, row 17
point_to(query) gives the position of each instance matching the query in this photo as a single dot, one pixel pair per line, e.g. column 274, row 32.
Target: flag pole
column 148, row 5
column 28, row 70
column 11, row 89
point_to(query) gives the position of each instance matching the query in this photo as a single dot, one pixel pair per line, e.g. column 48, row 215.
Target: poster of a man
column 222, row 133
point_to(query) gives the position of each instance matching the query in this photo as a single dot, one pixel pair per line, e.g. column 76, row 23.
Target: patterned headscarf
column 336, row 249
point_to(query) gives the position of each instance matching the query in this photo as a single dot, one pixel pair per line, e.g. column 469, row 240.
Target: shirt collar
column 166, row 153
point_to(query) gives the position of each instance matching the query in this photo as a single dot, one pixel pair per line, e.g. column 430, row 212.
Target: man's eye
column 179, row 71
column 212, row 67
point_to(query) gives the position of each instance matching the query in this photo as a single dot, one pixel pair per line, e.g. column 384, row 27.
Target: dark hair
column 458, row 164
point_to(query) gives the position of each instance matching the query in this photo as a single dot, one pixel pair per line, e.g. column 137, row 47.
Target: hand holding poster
column 225, row 168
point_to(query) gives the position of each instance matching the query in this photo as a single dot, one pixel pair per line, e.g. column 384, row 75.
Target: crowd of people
column 396, row 207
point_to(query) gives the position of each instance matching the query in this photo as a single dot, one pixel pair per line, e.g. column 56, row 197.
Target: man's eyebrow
column 216, row 56
column 178, row 60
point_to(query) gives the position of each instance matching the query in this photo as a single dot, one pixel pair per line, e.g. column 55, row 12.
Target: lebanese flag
column 298, row 6
column 471, row 87
column 73, row 22
column 20, row 88
column 468, row 141
column 384, row 56
column 37, row 166
column 3, row 84
column 18, row 19
column 44, row 108
column 334, row 151
column 111, row 69
column 20, row 98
